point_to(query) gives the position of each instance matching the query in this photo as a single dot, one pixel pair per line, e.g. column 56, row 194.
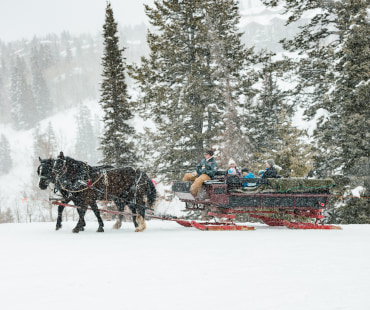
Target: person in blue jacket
column 248, row 175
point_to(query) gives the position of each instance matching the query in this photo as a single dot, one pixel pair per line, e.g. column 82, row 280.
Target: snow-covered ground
column 172, row 267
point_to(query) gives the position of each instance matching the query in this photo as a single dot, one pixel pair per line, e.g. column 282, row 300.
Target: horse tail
column 151, row 191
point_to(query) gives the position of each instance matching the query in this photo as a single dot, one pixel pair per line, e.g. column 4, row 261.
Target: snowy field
column 172, row 267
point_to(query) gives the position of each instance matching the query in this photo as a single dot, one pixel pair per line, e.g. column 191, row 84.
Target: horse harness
column 91, row 185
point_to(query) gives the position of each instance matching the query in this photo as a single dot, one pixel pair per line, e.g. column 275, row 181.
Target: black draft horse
column 46, row 177
column 125, row 186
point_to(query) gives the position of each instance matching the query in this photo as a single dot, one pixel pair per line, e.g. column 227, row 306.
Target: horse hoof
column 100, row 229
column 76, row 230
column 117, row 225
column 82, row 229
column 58, row 227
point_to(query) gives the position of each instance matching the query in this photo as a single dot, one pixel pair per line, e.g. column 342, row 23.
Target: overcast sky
column 26, row 18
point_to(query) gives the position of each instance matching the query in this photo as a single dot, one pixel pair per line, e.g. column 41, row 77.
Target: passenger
column 270, row 171
column 205, row 170
column 233, row 170
column 247, row 175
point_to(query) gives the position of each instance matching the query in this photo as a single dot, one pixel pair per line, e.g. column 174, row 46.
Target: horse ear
column 40, row 159
column 61, row 155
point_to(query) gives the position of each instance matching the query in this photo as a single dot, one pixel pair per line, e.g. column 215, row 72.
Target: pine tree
column 265, row 113
column 189, row 78
column 21, row 98
column 85, row 142
column 291, row 152
column 117, row 144
column 5, row 156
column 234, row 75
column 43, row 104
column 3, row 102
column 335, row 46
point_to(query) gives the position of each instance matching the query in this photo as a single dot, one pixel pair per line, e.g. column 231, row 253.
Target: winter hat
column 209, row 152
column 232, row 171
column 231, row 161
column 245, row 170
column 270, row 162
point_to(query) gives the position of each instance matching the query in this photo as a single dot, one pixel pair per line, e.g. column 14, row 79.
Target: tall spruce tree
column 234, row 74
column 189, row 78
column 117, row 144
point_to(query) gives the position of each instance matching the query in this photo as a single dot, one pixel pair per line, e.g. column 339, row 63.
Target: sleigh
column 296, row 203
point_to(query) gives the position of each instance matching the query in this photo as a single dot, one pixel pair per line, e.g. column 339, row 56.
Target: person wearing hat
column 270, row 171
column 205, row 170
column 232, row 170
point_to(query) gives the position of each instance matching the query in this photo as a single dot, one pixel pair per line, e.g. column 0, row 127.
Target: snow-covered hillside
column 17, row 186
column 172, row 267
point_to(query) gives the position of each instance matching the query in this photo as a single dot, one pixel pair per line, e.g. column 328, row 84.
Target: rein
column 102, row 173
column 64, row 171
column 81, row 190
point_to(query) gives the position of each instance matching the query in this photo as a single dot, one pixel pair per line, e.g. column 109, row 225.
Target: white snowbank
column 357, row 191
column 172, row 267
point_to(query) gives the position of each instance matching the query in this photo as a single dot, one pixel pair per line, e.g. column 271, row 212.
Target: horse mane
column 46, row 161
column 77, row 167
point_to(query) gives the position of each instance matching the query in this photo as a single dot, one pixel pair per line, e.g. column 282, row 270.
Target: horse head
column 44, row 172
column 59, row 165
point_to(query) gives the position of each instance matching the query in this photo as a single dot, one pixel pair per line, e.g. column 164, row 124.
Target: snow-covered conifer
column 193, row 72
column 117, row 143
column 5, row 156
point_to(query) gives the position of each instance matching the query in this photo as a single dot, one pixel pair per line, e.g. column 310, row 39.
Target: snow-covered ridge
column 21, row 146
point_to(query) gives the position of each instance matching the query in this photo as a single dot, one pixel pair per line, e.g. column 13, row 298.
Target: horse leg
column 81, row 221
column 95, row 208
column 141, row 217
column 82, row 227
column 141, row 223
column 133, row 210
column 59, row 219
column 138, row 219
column 120, row 207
